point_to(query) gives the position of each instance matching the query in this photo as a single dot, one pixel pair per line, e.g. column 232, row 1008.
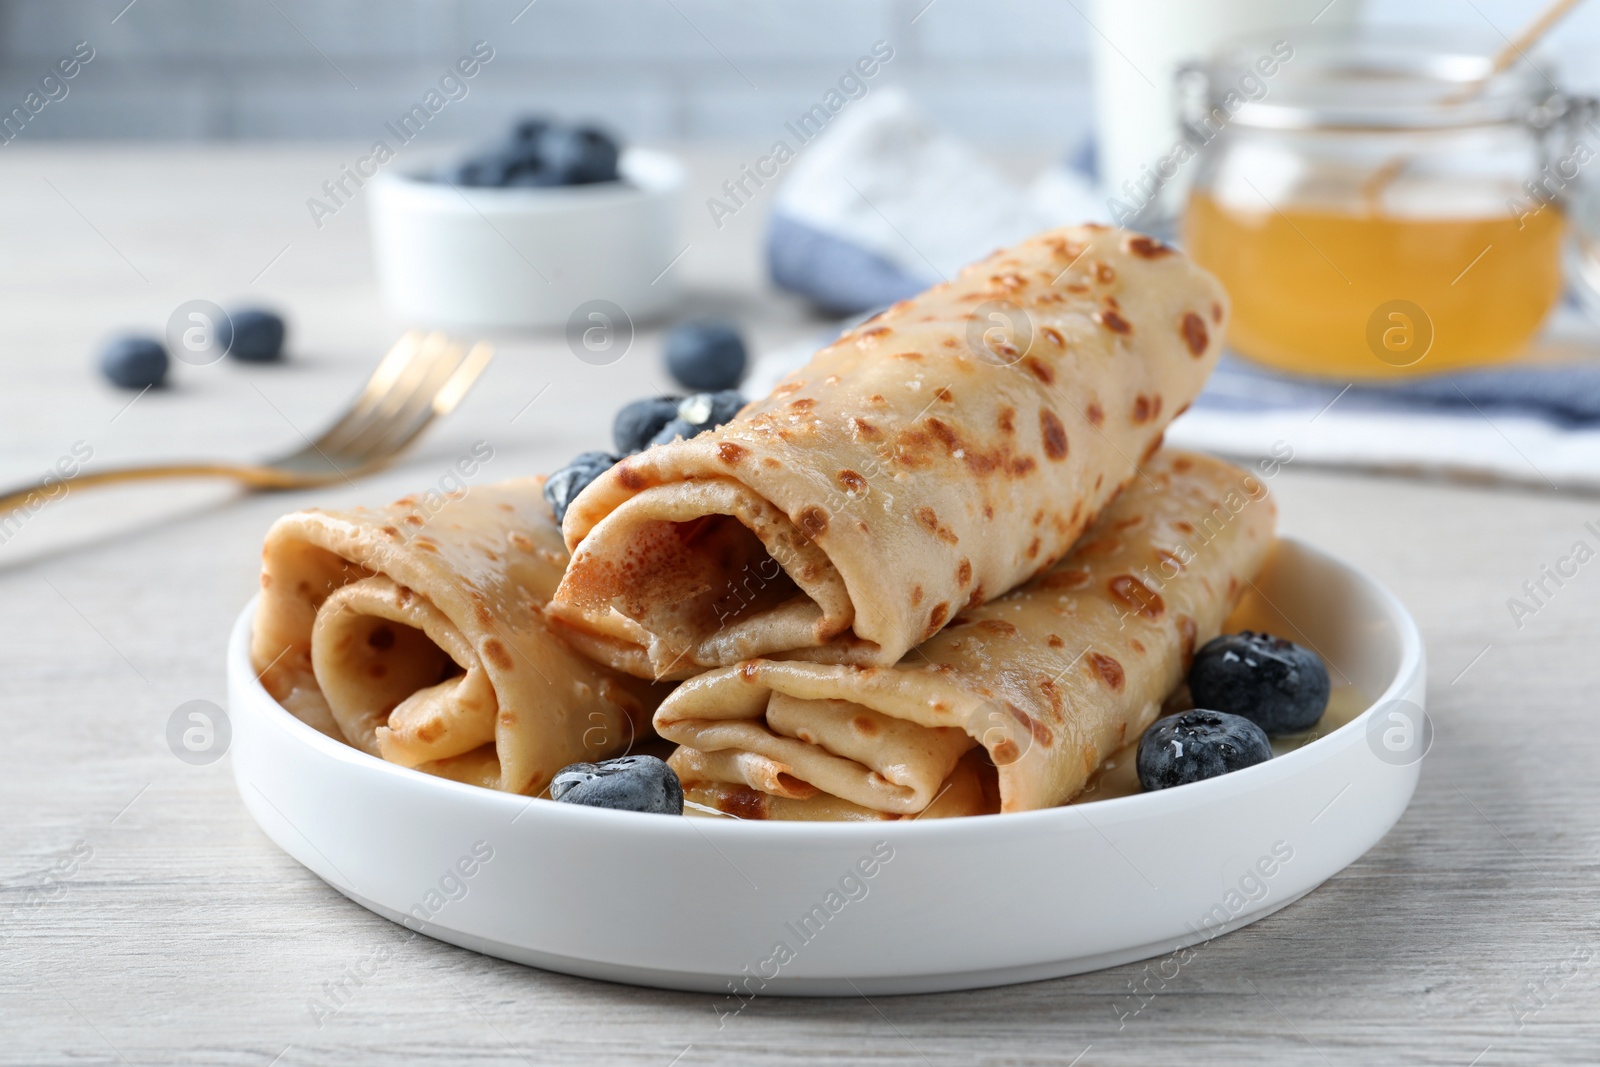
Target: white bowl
column 528, row 257
column 699, row 904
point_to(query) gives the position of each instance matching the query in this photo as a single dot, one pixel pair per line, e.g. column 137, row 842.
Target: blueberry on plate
column 675, row 430
column 724, row 406
column 631, row 783
column 254, row 335
column 1196, row 745
column 565, row 484
column 698, row 413
column 580, row 155
column 707, row 411
column 706, row 355
column 641, row 420
column 134, row 362
column 1278, row 685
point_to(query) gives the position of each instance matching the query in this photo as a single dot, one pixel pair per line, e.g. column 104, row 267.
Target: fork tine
column 420, row 378
column 461, row 380
column 394, row 393
column 376, row 442
column 435, row 347
column 464, row 378
column 383, row 376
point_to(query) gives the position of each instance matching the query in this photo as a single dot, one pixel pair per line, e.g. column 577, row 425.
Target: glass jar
column 1379, row 201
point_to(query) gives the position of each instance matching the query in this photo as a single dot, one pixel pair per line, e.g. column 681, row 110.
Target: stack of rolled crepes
column 829, row 571
column 1014, row 704
column 823, row 568
column 417, row 634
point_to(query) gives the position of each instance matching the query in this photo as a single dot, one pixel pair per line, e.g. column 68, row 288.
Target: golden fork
column 422, row 377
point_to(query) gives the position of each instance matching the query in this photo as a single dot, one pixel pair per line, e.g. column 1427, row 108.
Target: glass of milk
column 1138, row 48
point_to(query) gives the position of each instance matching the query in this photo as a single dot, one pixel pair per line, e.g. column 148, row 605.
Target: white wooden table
column 176, row 933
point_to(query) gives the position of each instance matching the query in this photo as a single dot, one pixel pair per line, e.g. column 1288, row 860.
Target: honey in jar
column 1387, row 204
column 1307, row 281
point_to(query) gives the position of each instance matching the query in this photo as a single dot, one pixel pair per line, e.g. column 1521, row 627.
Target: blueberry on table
column 134, row 362
column 705, row 355
column 631, row 783
column 1196, row 745
column 1278, row 685
column 254, row 335
column 581, row 155
column 565, row 484
column 641, row 420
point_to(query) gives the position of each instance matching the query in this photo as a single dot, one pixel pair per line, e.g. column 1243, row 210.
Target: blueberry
column 574, row 478
column 486, row 170
column 253, row 335
column 724, row 406
column 534, row 176
column 641, row 420
column 581, row 155
column 522, row 158
column 1276, row 684
column 134, row 362
column 707, row 411
column 1197, row 745
column 530, row 128
column 705, row 355
column 631, row 783
column 698, row 413
column 675, row 429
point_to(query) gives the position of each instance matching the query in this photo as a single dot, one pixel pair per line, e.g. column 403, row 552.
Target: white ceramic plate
column 901, row 907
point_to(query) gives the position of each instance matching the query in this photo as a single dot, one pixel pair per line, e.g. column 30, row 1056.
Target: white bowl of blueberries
column 524, row 232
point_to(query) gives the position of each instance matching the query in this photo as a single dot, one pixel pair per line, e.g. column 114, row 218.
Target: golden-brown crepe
column 415, row 632
column 928, row 460
column 1032, row 690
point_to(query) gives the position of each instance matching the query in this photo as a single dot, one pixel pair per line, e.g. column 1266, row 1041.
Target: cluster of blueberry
column 540, row 153
column 1247, row 687
column 708, row 356
column 139, row 361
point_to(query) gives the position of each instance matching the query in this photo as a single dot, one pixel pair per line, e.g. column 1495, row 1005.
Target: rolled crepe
column 1028, row 693
column 415, row 632
column 930, row 459
column 970, row 790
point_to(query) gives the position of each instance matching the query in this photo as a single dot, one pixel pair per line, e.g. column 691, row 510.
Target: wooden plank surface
column 175, row 933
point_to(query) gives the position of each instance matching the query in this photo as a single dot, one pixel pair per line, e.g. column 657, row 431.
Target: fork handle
column 42, row 492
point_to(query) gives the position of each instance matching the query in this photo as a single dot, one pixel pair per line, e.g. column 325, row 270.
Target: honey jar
column 1384, row 202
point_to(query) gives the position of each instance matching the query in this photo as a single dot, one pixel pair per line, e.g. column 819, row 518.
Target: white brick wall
column 653, row 69
column 1009, row 72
